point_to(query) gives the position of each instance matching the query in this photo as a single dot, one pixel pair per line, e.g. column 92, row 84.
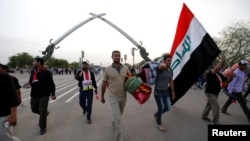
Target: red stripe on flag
column 185, row 19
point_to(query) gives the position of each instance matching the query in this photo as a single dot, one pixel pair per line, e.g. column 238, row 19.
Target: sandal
column 161, row 128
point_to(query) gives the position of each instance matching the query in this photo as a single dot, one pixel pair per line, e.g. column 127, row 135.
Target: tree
column 74, row 64
column 53, row 62
column 21, row 60
column 235, row 42
column 24, row 60
column 50, row 62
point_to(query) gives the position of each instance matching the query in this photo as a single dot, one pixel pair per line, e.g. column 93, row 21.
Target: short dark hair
column 5, row 67
column 38, row 59
column 165, row 56
column 84, row 62
column 115, row 51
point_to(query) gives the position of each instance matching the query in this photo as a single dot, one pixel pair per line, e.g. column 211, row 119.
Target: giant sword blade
column 143, row 51
column 50, row 48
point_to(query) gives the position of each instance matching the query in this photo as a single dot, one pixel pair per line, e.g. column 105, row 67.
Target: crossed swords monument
column 50, row 48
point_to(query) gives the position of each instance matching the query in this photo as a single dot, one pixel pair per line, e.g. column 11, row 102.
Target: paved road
column 66, row 122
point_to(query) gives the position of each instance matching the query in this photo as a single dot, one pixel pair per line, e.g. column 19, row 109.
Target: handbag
column 139, row 90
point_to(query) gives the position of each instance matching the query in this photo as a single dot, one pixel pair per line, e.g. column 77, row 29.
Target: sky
column 28, row 25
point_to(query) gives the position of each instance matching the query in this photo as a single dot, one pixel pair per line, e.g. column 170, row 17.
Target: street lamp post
column 82, row 55
column 81, row 58
column 133, row 54
column 125, row 58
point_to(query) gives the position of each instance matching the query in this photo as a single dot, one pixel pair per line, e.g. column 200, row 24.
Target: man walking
column 213, row 88
column 114, row 77
column 235, row 89
column 42, row 86
column 86, row 83
column 164, row 78
column 8, row 105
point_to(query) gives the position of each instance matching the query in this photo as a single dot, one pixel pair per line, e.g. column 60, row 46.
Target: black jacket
column 45, row 85
column 80, row 79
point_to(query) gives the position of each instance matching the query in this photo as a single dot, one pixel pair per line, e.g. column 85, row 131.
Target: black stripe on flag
column 201, row 58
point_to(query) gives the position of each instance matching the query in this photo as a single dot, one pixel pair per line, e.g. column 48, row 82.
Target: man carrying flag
column 193, row 51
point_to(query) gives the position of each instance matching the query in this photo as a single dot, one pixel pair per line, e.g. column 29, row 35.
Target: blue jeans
column 163, row 103
column 83, row 97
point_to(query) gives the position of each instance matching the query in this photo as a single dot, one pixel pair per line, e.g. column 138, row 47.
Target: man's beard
column 116, row 62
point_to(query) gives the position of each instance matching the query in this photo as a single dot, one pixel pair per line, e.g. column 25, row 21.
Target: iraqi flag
column 193, row 51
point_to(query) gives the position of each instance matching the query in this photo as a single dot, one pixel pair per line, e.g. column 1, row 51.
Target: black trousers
column 40, row 107
column 239, row 97
column 247, row 92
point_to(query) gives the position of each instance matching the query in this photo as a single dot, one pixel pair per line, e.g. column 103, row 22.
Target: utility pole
column 82, row 55
column 125, row 58
column 133, row 54
column 81, row 58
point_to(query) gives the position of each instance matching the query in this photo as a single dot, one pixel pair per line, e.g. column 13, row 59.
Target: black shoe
column 112, row 122
column 84, row 112
column 155, row 117
column 225, row 112
column 89, row 121
column 206, row 119
column 217, row 123
column 42, row 131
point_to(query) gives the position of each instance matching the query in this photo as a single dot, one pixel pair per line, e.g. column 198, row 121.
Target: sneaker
column 225, row 112
column 42, row 131
column 161, row 128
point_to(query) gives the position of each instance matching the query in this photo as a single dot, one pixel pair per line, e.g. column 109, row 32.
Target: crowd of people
column 43, row 87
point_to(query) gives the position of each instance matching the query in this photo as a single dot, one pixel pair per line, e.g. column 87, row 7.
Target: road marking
column 51, row 101
column 72, row 97
column 25, row 99
column 56, row 91
column 27, row 91
column 66, row 87
column 61, row 84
